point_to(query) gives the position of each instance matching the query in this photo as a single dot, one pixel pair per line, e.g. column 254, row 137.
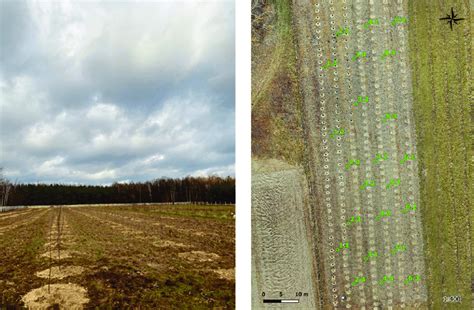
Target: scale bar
column 281, row 301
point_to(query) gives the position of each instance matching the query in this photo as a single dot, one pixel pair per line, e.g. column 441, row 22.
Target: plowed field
column 148, row 257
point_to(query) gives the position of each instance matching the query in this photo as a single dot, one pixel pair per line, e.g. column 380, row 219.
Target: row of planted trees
column 166, row 190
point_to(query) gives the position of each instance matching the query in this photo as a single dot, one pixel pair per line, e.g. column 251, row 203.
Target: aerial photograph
column 362, row 158
column 117, row 152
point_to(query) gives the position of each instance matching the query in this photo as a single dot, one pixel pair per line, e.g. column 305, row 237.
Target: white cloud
column 52, row 166
column 96, row 92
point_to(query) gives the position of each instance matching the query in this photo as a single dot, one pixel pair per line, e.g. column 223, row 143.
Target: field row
column 120, row 256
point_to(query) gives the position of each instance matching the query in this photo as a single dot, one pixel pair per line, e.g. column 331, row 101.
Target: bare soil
column 121, row 257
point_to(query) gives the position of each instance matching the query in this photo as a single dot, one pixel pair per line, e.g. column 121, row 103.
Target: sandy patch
column 164, row 225
column 54, row 245
column 61, row 273
column 199, row 256
column 169, row 243
column 55, row 254
column 159, row 267
column 164, row 217
column 7, row 216
column 226, row 274
column 67, row 296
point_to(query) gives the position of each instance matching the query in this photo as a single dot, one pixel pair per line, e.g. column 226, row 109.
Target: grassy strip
column 20, row 248
column 219, row 212
column 276, row 103
column 440, row 75
column 122, row 276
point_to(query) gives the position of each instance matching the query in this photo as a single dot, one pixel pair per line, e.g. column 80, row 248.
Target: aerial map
column 362, row 154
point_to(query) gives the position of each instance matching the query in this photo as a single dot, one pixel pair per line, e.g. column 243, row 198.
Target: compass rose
column 451, row 18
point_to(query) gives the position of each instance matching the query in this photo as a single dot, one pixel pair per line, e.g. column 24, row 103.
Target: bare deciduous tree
column 5, row 187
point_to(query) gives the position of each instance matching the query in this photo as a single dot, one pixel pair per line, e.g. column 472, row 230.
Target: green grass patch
column 440, row 61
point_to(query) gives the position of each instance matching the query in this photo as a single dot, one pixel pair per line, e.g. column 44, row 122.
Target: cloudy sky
column 98, row 92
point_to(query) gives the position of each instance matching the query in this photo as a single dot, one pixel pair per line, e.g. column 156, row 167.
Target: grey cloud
column 100, row 92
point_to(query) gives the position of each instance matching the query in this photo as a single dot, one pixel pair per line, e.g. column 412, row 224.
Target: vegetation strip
column 442, row 83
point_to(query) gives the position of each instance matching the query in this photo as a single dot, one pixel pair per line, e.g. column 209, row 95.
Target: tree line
column 166, row 190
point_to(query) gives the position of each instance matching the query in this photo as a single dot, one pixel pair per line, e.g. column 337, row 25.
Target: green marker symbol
column 358, row 280
column 361, row 99
column 352, row 162
column 370, row 254
column 354, row 219
column 343, row 31
column 389, row 116
column 371, row 22
column 387, row 53
column 380, row 157
column 337, row 132
column 359, row 55
column 407, row 157
column 367, row 183
column 398, row 248
column 386, row 278
column 398, row 20
column 408, row 208
column 330, row 64
column 382, row 214
column 412, row 278
column 344, row 245
column 393, row 183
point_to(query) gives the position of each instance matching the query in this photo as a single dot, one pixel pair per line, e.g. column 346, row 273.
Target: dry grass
column 132, row 256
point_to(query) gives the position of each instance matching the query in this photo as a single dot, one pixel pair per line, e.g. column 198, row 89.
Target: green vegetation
column 276, row 103
column 337, row 132
column 442, row 62
column 34, row 245
column 358, row 55
column 439, row 69
column 358, row 280
column 133, row 256
column 398, row 20
column 343, row 31
column 371, row 22
column 219, row 212
column 330, row 64
column 386, row 278
column 361, row 99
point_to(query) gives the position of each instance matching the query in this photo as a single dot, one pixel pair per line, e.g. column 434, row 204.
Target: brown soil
column 130, row 262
